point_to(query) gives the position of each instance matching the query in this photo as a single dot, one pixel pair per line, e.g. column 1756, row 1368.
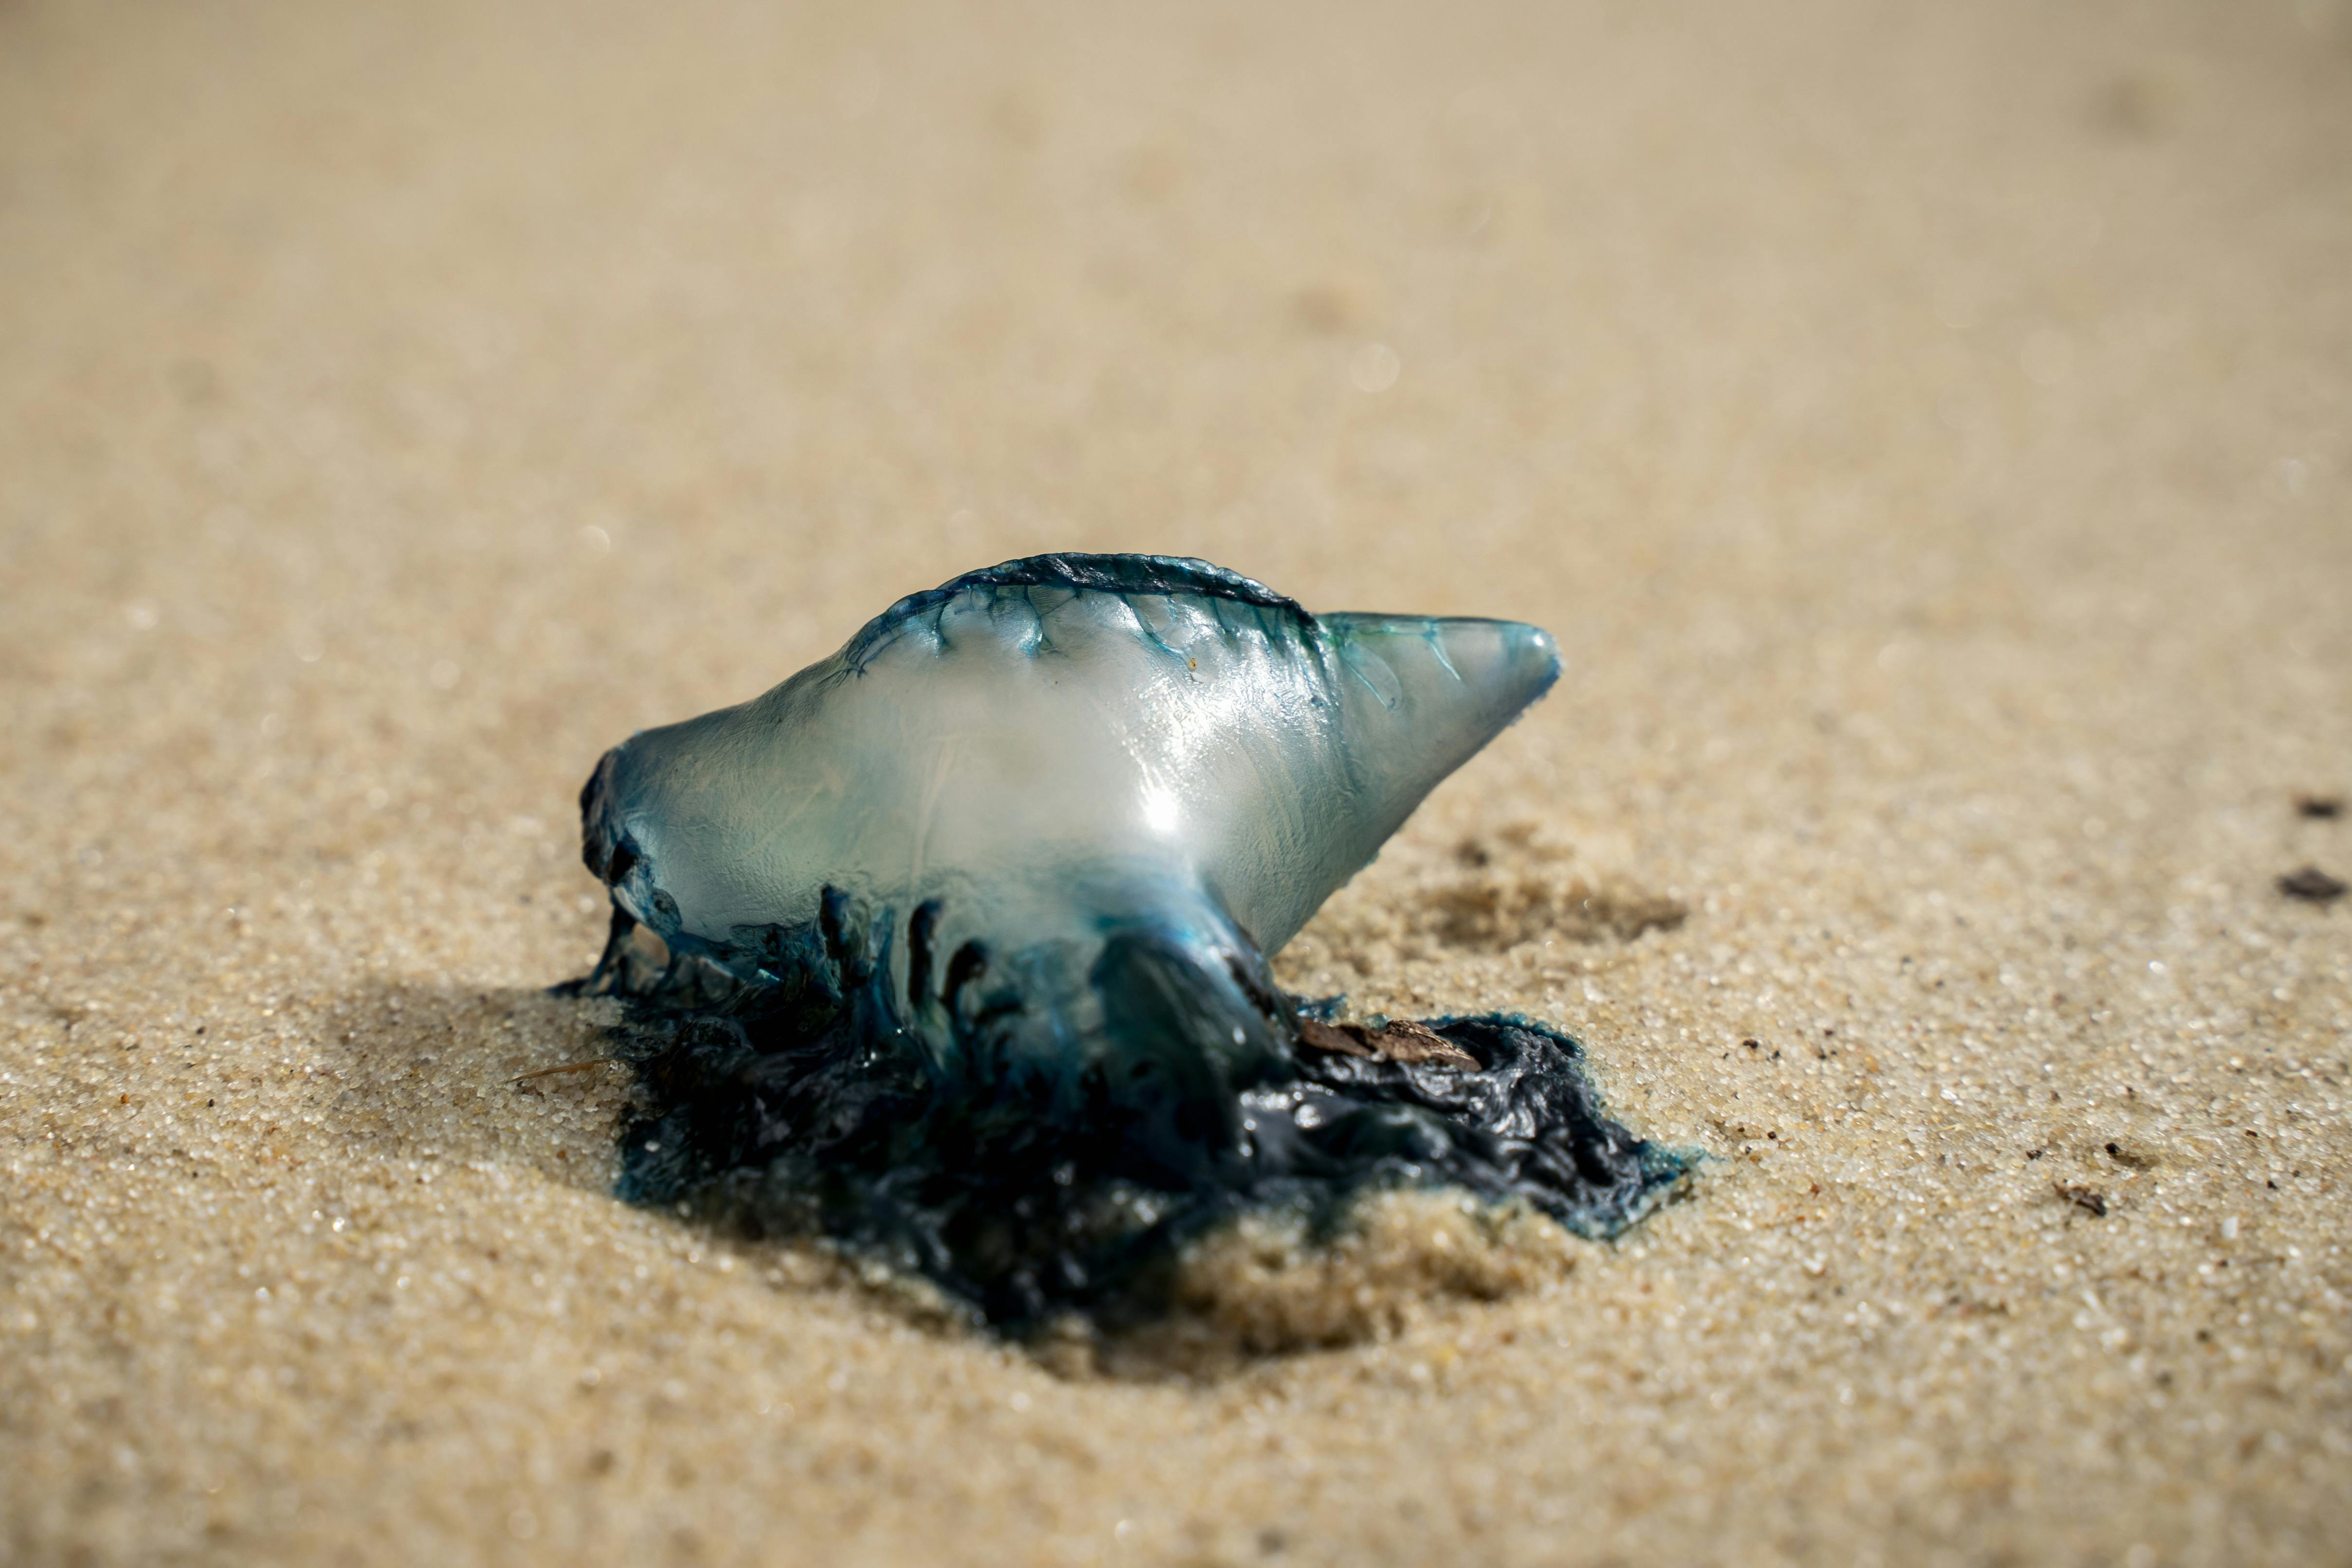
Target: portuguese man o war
column 954, row 946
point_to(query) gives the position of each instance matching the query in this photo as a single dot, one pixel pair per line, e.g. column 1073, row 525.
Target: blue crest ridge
column 1166, row 575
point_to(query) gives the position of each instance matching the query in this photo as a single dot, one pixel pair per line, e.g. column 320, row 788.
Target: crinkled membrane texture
column 953, row 947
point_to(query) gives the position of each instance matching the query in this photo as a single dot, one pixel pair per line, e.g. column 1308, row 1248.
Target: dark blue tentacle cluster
column 806, row 1105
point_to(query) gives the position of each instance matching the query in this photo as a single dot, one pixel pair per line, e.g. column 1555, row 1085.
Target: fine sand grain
column 1924, row 428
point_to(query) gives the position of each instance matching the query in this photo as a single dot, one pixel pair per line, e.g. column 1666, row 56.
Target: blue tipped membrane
column 954, row 944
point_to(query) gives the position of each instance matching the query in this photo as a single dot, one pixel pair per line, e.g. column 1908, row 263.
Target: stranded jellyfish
column 954, row 946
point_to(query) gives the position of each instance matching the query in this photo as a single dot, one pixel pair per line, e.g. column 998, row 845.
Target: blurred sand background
column 1924, row 428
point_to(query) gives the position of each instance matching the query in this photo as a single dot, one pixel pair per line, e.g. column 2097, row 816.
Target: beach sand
column 1924, row 429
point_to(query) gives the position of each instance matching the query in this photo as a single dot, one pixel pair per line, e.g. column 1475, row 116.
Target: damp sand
column 1924, row 432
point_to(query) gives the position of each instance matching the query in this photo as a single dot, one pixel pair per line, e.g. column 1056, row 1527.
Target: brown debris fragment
column 2313, row 884
column 1402, row 1041
column 2090, row 1200
column 1334, row 1038
column 2319, row 808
